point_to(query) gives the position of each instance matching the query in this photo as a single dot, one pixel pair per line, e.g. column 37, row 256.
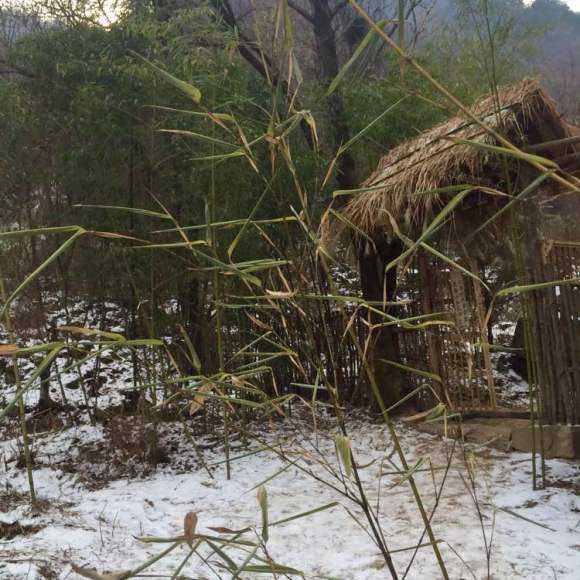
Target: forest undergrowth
column 238, row 442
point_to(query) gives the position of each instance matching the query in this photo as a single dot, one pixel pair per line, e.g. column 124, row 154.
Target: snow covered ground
column 91, row 518
column 98, row 493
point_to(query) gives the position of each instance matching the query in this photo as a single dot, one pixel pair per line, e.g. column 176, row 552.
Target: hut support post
column 484, row 332
column 527, row 259
column 379, row 286
column 434, row 341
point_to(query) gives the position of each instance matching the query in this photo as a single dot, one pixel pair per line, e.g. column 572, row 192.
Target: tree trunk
column 44, row 401
column 377, row 287
column 194, row 320
column 321, row 18
column 322, row 22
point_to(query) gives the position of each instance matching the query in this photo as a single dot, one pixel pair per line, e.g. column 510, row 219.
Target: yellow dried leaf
column 258, row 322
column 237, row 382
column 278, row 294
column 189, row 525
column 7, row 349
column 86, row 331
column 200, row 397
column 86, row 573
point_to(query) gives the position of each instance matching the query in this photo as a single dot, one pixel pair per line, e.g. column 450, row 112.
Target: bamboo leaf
column 410, row 472
column 370, row 35
column 207, row 115
column 354, row 227
column 438, row 220
column 228, row 267
column 41, row 232
column 538, row 286
column 516, row 515
column 230, row 565
column 200, row 397
column 524, row 193
column 189, row 90
column 280, row 295
column 171, row 245
column 31, row 277
column 341, row 192
column 271, row 568
column 407, row 397
column 273, row 476
column 46, row 362
column 222, row 530
column 194, row 358
column 436, row 413
column 85, row 331
column 135, row 210
column 408, row 242
column 134, row 342
column 258, row 203
column 344, row 452
column 237, row 401
column 454, row 264
column 86, row 573
column 258, row 322
column 229, row 224
column 200, row 136
column 221, row 157
column 304, row 514
column 361, row 133
column 413, row 370
column 505, row 151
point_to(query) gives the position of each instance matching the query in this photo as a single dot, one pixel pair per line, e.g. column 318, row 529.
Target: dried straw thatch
column 407, row 175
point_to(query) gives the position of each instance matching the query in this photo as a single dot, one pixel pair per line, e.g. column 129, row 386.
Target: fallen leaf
column 7, row 349
column 86, row 573
column 189, row 525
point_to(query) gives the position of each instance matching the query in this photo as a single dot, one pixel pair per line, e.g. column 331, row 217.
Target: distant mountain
column 555, row 34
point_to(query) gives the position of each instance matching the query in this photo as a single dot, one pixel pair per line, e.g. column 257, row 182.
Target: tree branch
column 306, row 15
column 340, row 6
column 11, row 69
column 259, row 61
column 245, row 47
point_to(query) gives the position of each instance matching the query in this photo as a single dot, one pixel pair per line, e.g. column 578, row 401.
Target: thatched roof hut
column 403, row 183
column 411, row 185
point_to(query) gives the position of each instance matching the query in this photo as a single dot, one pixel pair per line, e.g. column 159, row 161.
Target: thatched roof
column 527, row 116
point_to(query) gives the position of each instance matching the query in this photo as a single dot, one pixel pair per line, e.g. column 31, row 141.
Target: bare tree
column 331, row 31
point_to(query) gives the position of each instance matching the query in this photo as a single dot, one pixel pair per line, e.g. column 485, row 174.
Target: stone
column 561, row 441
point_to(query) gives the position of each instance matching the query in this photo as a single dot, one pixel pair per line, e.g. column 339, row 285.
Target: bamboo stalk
column 216, row 287
column 21, row 407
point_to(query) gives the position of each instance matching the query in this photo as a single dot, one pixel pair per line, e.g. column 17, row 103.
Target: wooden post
column 481, row 312
column 434, row 343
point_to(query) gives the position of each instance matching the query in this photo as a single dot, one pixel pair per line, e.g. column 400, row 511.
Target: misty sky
column 574, row 4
